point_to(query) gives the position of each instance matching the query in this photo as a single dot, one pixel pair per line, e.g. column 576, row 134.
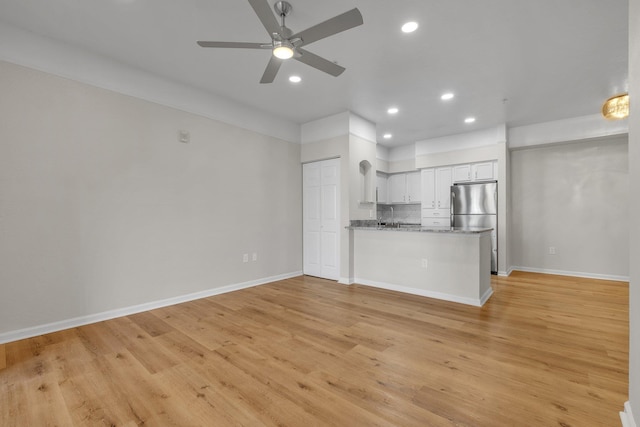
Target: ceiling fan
column 286, row 44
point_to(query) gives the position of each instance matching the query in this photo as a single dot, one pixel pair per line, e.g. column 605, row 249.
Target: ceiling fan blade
column 235, row 45
column 272, row 69
column 266, row 16
column 332, row 26
column 319, row 62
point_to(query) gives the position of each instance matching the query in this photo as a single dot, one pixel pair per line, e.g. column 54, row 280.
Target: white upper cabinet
column 436, row 189
column 404, row 188
column 443, row 188
column 428, row 188
column 381, row 188
column 413, row 187
column 397, row 188
column 461, row 173
column 483, row 171
column 475, row 172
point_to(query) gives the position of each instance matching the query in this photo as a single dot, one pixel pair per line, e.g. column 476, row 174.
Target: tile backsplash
column 405, row 214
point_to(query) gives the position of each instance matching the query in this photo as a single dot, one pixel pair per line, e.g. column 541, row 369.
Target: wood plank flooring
column 544, row 351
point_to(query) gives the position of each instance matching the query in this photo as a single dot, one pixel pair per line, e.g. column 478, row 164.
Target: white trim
column 462, row 141
column 627, row 416
column 485, row 297
column 505, row 273
column 346, row 281
column 477, row 302
column 125, row 311
column 565, row 130
column 572, row 273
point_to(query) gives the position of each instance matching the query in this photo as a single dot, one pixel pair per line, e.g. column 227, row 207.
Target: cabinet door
column 462, row 173
column 483, row 171
column 443, row 188
column 398, row 188
column 381, row 186
column 413, row 187
column 428, row 178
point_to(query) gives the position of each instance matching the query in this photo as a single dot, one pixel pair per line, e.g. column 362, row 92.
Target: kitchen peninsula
column 447, row 263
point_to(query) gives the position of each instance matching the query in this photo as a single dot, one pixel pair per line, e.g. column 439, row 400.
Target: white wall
column 361, row 150
column 634, row 230
column 54, row 57
column 102, row 208
column 572, row 197
column 325, row 128
column 392, row 260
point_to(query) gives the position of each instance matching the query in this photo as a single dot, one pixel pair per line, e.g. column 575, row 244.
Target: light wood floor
column 544, row 351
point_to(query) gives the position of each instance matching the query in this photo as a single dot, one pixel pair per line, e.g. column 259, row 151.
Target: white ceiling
column 507, row 61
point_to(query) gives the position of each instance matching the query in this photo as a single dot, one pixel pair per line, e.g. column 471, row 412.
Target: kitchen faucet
column 391, row 214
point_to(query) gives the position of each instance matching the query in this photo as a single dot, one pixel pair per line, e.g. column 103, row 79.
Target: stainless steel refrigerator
column 476, row 205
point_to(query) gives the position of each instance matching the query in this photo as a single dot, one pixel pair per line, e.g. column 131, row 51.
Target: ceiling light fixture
column 447, row 96
column 393, row 110
column 616, row 107
column 470, row 120
column 295, row 79
column 387, row 136
column 409, row 27
column 282, row 49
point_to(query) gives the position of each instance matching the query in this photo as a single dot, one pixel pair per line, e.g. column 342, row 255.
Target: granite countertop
column 373, row 225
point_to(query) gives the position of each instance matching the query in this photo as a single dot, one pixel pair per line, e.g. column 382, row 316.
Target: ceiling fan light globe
column 283, row 52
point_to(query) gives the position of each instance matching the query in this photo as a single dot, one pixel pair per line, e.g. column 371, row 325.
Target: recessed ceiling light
column 447, row 96
column 409, row 27
column 295, row 79
column 387, row 136
column 393, row 110
column 470, row 120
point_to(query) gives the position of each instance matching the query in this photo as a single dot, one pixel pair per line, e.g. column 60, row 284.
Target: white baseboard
column 627, row 416
column 571, row 273
column 125, row 311
column 345, row 281
column 506, row 273
column 485, row 297
column 425, row 293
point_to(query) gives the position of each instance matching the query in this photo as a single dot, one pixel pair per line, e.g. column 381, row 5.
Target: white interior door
column 321, row 218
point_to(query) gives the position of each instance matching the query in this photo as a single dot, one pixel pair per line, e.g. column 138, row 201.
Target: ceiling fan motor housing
column 282, row 8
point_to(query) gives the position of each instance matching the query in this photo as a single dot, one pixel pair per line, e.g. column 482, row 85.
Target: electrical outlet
column 424, row 263
column 254, row 256
column 552, row 250
column 245, row 258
